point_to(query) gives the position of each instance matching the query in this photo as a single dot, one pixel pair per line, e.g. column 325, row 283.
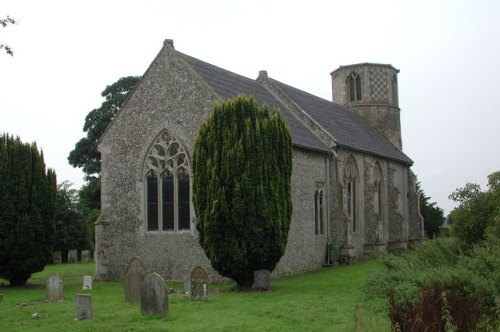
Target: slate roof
column 348, row 129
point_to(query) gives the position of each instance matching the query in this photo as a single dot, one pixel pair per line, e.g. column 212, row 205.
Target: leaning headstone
column 84, row 306
column 199, row 284
column 85, row 256
column 56, row 257
column 87, row 283
column 133, row 279
column 262, row 280
column 72, row 256
column 154, row 296
column 55, row 288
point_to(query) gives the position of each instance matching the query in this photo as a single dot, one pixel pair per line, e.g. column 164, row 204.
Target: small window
column 354, row 83
column 319, row 222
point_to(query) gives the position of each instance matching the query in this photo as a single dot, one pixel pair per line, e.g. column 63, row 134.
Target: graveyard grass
column 331, row 299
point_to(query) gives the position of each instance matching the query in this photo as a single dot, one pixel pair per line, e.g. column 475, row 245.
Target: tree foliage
column 433, row 215
column 4, row 22
column 241, row 189
column 27, row 209
column 85, row 154
column 72, row 229
column 478, row 211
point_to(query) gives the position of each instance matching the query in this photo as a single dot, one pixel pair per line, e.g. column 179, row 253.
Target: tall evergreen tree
column 27, row 210
column 433, row 215
column 242, row 164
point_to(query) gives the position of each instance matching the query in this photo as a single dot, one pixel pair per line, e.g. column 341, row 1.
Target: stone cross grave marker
column 55, row 288
column 85, row 256
column 84, row 306
column 133, row 279
column 56, row 257
column 199, row 284
column 262, row 280
column 154, row 296
column 87, row 283
column 72, row 256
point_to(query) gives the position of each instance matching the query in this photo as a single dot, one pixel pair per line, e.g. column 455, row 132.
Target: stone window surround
column 351, row 192
column 319, row 209
column 173, row 165
column 354, row 87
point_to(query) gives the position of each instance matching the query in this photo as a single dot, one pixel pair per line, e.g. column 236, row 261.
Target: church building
column 352, row 186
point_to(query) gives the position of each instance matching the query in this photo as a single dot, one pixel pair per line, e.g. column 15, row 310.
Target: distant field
column 325, row 300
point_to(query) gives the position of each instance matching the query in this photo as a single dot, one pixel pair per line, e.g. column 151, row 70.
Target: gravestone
column 56, row 257
column 85, row 256
column 199, row 284
column 154, row 296
column 55, row 288
column 262, row 280
column 133, row 279
column 84, row 306
column 72, row 256
column 87, row 283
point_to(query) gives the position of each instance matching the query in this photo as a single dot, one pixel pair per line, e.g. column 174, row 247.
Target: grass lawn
column 326, row 300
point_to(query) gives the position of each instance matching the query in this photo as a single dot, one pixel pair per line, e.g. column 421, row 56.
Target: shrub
column 438, row 278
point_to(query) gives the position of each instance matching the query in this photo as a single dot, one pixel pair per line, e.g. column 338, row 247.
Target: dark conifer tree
column 242, row 164
column 27, row 210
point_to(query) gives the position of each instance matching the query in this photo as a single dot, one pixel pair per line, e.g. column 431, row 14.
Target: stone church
column 351, row 182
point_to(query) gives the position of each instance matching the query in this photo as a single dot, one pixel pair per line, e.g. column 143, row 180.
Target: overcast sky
column 448, row 53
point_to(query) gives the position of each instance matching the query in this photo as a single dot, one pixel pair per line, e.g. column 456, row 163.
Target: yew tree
column 27, row 210
column 242, row 164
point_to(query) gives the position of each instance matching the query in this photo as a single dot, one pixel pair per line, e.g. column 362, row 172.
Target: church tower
column 371, row 90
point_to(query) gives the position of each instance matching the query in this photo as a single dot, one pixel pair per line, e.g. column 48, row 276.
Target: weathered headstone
column 262, row 280
column 87, row 283
column 72, row 256
column 154, row 296
column 84, row 306
column 55, row 288
column 133, row 279
column 85, row 256
column 199, row 284
column 56, row 257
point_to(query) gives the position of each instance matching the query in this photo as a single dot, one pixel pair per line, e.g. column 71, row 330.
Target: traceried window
column 319, row 224
column 167, row 182
column 354, row 84
column 351, row 178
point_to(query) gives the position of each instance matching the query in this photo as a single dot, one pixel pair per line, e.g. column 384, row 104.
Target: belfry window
column 167, row 186
column 354, row 84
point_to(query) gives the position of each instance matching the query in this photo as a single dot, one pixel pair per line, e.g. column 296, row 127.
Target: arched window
column 395, row 89
column 319, row 224
column 167, row 182
column 351, row 177
column 354, row 84
column 378, row 181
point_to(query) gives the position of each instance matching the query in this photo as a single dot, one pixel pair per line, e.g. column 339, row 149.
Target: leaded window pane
column 358, row 88
column 152, row 201
column 183, row 194
column 316, row 218
column 351, row 89
column 321, row 230
column 168, row 201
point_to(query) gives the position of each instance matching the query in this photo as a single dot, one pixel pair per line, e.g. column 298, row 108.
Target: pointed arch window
column 167, row 180
column 354, row 84
column 319, row 224
column 378, row 182
column 395, row 90
column 351, row 179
